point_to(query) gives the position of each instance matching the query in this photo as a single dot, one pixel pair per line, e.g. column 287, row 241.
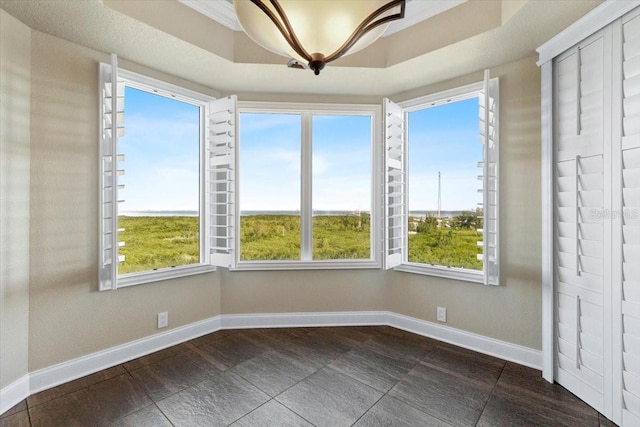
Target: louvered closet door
column 630, row 146
column 580, row 165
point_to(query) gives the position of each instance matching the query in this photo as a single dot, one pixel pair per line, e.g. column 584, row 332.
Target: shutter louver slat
column 631, row 29
column 631, row 125
column 631, row 383
column 585, row 375
column 630, row 141
column 631, row 198
column 568, row 292
column 631, row 408
column 631, row 105
column 631, row 178
column 631, row 84
column 394, row 185
column 221, row 181
column 630, row 271
column 586, row 281
column 632, row 363
column 588, row 359
column 631, row 291
column 631, row 47
column 568, row 246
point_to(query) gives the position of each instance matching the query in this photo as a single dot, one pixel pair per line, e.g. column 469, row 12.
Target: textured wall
column 15, row 87
column 511, row 312
column 68, row 316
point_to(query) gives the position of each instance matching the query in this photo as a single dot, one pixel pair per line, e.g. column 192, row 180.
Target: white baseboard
column 14, row 393
column 301, row 320
column 67, row 371
column 504, row 350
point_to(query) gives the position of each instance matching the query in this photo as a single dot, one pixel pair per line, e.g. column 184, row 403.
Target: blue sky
column 161, row 145
column 270, row 155
column 446, row 139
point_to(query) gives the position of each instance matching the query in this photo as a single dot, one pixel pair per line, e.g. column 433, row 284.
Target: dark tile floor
column 362, row 376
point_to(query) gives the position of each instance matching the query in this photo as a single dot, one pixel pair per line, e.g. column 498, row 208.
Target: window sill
column 445, row 272
column 305, row 265
column 132, row 279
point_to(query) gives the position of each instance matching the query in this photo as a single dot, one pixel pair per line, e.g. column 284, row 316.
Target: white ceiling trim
column 419, row 10
column 221, row 11
column 416, row 11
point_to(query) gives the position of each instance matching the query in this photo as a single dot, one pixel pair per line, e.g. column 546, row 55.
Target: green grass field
column 153, row 242
column 161, row 242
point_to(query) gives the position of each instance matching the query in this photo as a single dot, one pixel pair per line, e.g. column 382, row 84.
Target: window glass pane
column 341, row 183
column 160, row 214
column 443, row 154
column 269, row 186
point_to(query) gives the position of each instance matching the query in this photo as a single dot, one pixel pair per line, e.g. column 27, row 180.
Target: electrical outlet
column 163, row 319
column 442, row 314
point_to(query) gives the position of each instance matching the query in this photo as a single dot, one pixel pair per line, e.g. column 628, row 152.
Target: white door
column 581, row 177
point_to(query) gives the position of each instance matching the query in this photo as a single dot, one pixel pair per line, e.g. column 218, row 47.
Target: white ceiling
column 151, row 40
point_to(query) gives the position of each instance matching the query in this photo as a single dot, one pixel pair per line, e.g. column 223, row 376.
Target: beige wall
column 15, row 88
column 303, row 291
column 511, row 312
column 68, row 316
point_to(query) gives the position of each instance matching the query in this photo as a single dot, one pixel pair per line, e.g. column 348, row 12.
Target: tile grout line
column 374, row 404
column 284, row 405
column 251, row 411
column 321, row 368
column 163, row 414
column 490, row 394
column 399, row 399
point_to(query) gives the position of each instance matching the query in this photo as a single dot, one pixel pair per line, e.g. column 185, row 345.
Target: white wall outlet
column 163, row 319
column 442, row 314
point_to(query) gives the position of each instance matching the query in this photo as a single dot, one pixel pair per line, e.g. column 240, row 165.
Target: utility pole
column 439, row 197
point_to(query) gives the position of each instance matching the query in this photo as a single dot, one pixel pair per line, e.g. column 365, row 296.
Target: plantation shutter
column 111, row 128
column 580, row 171
column 489, row 178
column 221, row 181
column 630, row 146
column 394, row 185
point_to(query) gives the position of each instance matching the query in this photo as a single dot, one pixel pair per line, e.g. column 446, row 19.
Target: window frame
column 306, row 112
column 172, row 91
column 433, row 100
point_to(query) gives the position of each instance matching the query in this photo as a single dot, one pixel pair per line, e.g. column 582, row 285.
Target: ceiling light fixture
column 316, row 31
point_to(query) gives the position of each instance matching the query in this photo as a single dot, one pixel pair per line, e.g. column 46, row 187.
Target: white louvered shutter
column 580, row 208
column 111, row 128
column 221, row 181
column 394, row 185
column 630, row 146
column 488, row 101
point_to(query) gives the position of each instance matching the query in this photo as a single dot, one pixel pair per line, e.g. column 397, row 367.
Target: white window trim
column 374, row 111
column 440, row 98
column 464, row 274
column 169, row 90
